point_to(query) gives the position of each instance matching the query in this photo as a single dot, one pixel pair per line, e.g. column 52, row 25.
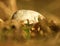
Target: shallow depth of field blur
column 9, row 36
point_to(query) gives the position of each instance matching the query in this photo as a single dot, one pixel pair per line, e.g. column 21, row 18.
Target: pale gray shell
column 23, row 15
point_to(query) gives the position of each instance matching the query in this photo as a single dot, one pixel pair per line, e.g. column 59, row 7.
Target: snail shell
column 24, row 15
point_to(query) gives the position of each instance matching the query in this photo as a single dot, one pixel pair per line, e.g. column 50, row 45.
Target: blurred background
column 48, row 8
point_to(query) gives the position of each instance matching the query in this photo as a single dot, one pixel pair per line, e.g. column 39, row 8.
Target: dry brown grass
column 12, row 34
